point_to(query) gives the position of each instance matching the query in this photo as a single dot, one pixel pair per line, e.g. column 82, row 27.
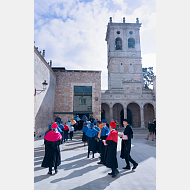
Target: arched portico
column 133, row 114
column 118, row 113
column 105, row 111
column 148, row 113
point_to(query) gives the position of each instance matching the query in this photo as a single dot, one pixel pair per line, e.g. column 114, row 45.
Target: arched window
column 131, row 43
column 118, row 44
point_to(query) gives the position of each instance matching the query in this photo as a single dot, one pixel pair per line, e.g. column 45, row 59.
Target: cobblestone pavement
column 77, row 172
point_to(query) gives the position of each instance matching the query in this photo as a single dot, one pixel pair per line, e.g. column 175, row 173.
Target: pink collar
column 53, row 136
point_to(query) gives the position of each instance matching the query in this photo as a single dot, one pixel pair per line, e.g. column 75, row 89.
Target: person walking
column 84, row 129
column 73, row 122
column 71, row 129
column 57, row 119
column 92, row 133
column 62, row 128
column 66, row 130
column 126, row 145
column 104, row 132
column 52, row 156
column 154, row 122
column 111, row 150
column 151, row 130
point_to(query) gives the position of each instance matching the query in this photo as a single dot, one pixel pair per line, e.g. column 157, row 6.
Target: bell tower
column 124, row 57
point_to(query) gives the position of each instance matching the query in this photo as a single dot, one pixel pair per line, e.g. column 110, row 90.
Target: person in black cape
column 62, row 133
column 84, row 129
column 111, row 150
column 103, row 135
column 126, row 145
column 151, row 130
column 92, row 133
column 52, row 157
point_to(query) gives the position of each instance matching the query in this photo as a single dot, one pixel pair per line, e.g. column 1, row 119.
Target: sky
column 73, row 32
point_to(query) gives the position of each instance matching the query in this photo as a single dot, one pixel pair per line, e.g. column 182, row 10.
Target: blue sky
column 73, row 32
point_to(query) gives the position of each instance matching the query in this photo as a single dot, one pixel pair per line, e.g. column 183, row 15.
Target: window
column 82, row 100
column 131, row 43
column 118, row 32
column 131, row 32
column 118, row 44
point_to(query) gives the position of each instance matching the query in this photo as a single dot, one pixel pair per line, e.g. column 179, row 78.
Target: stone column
column 142, row 118
column 111, row 114
column 154, row 112
column 125, row 112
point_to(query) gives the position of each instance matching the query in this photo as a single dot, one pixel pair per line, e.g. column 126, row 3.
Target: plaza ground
column 77, row 172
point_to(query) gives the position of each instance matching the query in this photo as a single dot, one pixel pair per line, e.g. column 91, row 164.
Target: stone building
column 77, row 92
column 126, row 96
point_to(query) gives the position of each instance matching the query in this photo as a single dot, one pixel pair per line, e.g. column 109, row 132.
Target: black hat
column 126, row 120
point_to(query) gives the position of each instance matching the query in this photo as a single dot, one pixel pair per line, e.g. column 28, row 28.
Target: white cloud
column 73, row 32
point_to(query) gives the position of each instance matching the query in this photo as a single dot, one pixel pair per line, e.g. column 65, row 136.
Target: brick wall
column 66, row 80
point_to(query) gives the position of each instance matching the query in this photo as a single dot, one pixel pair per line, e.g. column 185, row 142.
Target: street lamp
column 44, row 88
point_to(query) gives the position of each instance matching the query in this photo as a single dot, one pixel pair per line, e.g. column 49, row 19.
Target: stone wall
column 44, row 101
column 66, row 80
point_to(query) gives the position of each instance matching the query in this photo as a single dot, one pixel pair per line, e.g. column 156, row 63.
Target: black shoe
column 50, row 173
column 56, row 171
column 100, row 163
column 127, row 167
column 115, row 174
column 110, row 173
column 134, row 166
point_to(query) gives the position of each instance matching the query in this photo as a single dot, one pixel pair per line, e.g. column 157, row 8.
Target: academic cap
column 104, row 121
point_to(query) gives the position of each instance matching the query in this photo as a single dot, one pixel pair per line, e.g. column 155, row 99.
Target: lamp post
column 44, row 88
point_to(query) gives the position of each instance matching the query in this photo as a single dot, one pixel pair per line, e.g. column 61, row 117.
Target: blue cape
column 59, row 130
column 105, row 131
column 97, row 128
column 84, row 129
column 61, row 127
column 91, row 132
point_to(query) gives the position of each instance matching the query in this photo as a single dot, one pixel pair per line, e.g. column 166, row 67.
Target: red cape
column 113, row 136
column 66, row 127
column 53, row 136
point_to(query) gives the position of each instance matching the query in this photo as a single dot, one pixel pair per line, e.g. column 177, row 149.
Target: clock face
column 131, row 32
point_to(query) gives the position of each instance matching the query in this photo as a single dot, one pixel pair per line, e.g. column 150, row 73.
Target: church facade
column 126, row 96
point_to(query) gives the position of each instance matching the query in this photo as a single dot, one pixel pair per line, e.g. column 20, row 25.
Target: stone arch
column 149, row 115
column 118, row 113
column 133, row 114
column 105, row 111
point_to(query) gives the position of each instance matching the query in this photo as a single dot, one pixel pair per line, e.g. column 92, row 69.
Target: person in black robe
column 154, row 122
column 92, row 133
column 57, row 119
column 103, row 135
column 52, row 156
column 111, row 150
column 66, row 130
column 62, row 133
column 126, row 145
column 84, row 129
column 151, row 130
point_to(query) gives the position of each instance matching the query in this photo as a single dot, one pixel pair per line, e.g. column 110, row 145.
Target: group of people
column 100, row 138
column 152, row 129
